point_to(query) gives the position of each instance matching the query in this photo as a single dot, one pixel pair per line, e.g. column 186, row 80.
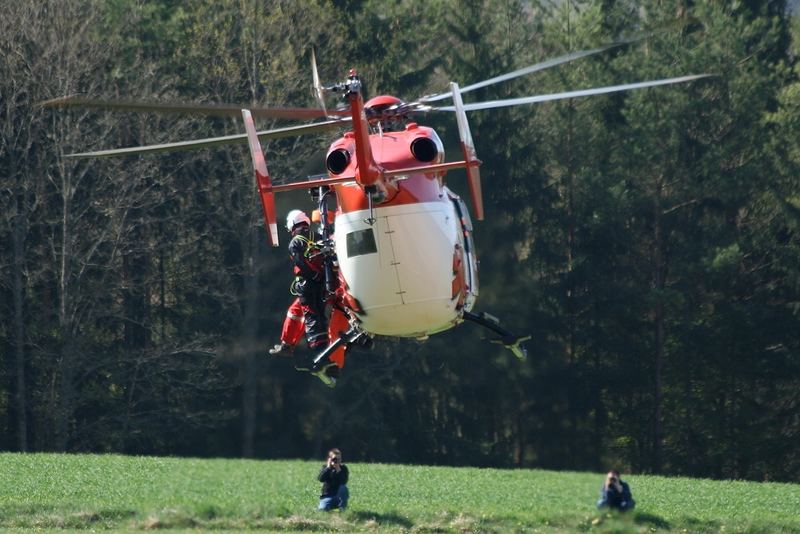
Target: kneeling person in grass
column 334, row 475
column 616, row 493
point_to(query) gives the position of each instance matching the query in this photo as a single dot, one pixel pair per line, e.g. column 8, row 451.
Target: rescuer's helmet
column 296, row 217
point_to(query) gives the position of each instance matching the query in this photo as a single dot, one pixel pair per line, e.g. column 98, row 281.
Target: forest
column 649, row 241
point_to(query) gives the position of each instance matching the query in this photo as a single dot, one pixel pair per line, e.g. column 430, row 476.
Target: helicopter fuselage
column 406, row 263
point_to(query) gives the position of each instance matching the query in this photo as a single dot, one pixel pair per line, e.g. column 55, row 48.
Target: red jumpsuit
column 294, row 326
column 307, row 312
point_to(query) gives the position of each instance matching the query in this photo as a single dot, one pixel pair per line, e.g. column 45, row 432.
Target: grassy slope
column 130, row 493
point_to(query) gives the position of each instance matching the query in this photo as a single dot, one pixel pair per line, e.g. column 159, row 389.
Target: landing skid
column 510, row 341
column 354, row 336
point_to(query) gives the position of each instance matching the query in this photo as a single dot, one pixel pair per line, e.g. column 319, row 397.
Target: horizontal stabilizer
column 429, row 169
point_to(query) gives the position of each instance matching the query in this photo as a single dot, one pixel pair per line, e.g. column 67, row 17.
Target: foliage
column 648, row 240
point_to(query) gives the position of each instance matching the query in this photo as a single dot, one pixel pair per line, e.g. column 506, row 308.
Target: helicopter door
column 469, row 257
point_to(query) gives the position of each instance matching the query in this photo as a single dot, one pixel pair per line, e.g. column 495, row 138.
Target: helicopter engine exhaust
column 337, row 161
column 424, row 149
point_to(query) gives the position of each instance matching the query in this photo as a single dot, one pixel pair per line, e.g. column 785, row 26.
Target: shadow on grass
column 697, row 525
column 385, row 519
column 650, row 520
column 692, row 524
column 51, row 517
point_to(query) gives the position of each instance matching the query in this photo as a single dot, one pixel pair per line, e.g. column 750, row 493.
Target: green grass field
column 49, row 492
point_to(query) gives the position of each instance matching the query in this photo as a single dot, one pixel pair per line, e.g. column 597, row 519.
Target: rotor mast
column 368, row 175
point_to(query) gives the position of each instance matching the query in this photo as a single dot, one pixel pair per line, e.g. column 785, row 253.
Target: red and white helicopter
column 407, row 265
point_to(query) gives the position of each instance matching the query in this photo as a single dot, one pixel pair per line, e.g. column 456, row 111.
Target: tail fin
column 470, row 156
column 262, row 178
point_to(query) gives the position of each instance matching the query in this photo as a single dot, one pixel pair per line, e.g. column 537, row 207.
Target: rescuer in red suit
column 308, row 309
column 294, row 325
column 309, row 282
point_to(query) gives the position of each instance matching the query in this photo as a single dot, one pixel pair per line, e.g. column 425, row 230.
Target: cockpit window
column 361, row 242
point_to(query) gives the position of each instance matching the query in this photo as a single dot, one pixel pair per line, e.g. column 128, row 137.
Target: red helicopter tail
column 263, row 182
column 470, row 156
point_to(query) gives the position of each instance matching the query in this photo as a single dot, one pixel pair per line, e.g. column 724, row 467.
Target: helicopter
column 399, row 255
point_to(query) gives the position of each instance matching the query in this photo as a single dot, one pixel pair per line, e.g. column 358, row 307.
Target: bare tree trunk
column 17, row 135
column 65, row 366
column 250, row 335
column 132, row 385
column 659, row 282
column 19, row 325
column 66, row 395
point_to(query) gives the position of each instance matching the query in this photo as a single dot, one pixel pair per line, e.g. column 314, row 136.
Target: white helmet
column 296, row 217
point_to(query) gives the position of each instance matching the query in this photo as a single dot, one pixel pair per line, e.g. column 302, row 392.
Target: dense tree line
column 649, row 241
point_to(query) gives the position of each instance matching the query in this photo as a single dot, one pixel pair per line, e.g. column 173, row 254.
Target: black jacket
column 303, row 266
column 615, row 499
column 331, row 480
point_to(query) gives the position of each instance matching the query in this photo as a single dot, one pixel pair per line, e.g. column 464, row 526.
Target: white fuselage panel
column 403, row 280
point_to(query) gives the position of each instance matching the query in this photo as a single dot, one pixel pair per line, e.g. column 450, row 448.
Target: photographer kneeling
column 615, row 493
column 334, row 477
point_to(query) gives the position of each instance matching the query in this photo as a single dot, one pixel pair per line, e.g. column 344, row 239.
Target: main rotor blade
column 572, row 94
column 221, row 110
column 528, row 70
column 317, row 85
column 213, row 141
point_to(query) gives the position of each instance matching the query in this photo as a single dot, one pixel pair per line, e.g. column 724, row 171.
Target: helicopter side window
column 361, row 242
